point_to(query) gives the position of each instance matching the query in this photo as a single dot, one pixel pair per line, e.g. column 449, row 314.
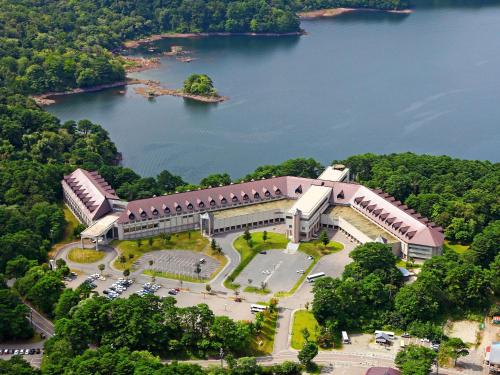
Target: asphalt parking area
column 276, row 268
column 178, row 262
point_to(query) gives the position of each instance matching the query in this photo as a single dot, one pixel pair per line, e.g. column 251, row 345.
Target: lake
column 428, row 82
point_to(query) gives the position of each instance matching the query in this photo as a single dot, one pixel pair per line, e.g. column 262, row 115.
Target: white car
column 16, row 352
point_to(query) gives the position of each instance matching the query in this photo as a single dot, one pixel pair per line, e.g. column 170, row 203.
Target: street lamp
column 221, row 354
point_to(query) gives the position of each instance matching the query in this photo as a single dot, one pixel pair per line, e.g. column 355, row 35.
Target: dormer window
column 256, row 195
column 234, row 198
column 267, row 194
column 298, row 190
column 340, row 195
column 143, row 213
column 245, row 197
column 166, row 209
column 178, row 208
column 131, row 216
column 189, row 205
column 201, row 204
column 277, row 192
column 212, row 203
column 154, row 211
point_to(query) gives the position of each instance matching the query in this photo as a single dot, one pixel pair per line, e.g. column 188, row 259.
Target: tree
column 199, row 84
column 197, row 269
column 323, row 237
column 122, row 259
column 264, row 236
column 215, row 180
column 305, row 333
column 150, row 242
column 453, row 348
column 18, row 266
column 208, row 288
column 13, row 317
column 415, row 360
column 213, row 244
column 307, row 353
column 126, row 272
column 68, row 299
column 169, row 182
column 166, row 237
column 139, row 243
column 246, row 235
column 486, row 244
column 101, row 267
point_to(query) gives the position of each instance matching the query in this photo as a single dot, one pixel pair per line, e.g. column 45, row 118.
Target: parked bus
column 315, row 276
column 390, row 334
column 345, row 338
column 257, row 308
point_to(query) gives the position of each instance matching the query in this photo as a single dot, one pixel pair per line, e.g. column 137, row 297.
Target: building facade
column 304, row 205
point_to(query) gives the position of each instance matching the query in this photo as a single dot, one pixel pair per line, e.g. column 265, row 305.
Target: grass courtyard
column 132, row 250
column 458, row 248
column 79, row 255
column 247, row 253
column 71, row 223
column 303, row 319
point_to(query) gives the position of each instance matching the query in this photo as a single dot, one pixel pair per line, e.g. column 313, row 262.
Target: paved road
column 41, row 323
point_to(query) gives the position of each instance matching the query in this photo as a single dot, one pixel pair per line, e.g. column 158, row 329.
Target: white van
column 257, row 308
column 345, row 338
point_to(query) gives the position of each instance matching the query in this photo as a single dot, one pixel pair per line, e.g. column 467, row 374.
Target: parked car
column 310, row 257
column 16, row 352
column 300, row 271
column 202, row 260
column 172, row 292
column 406, row 335
column 32, row 351
column 263, row 252
column 38, row 351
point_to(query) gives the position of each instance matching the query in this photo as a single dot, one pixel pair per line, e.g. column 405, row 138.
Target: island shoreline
column 334, row 12
column 130, row 44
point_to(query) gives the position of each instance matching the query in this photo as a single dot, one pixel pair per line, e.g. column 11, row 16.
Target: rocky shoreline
column 153, row 89
column 333, row 12
column 48, row 97
column 156, row 37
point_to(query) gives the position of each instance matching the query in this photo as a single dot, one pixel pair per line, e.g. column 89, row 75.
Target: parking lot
column 178, row 262
column 279, row 270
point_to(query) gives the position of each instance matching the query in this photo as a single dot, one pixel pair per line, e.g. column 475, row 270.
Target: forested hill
column 60, row 44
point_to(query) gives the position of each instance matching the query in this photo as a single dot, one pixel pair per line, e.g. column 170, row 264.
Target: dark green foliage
column 462, row 196
column 486, row 245
column 42, row 287
column 307, row 353
column 299, row 167
column 199, row 84
column 215, row 180
column 13, row 313
column 17, row 365
column 415, row 360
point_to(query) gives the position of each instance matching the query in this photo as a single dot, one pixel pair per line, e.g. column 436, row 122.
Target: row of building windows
column 249, row 225
column 178, row 209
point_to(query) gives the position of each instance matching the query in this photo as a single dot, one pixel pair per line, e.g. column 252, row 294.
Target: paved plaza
column 178, row 262
column 276, row 268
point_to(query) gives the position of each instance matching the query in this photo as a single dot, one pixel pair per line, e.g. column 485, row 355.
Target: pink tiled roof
column 378, row 206
column 92, row 191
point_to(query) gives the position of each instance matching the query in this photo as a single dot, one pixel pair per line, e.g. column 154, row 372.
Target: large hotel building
column 303, row 205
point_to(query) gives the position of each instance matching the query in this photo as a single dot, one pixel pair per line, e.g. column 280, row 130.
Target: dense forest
column 57, row 45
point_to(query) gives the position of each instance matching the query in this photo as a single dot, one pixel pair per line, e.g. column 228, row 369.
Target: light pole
column 221, row 354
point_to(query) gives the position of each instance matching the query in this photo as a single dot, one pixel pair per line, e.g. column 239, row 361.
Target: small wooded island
column 197, row 87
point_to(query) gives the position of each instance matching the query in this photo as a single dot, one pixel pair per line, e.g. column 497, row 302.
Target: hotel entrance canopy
column 99, row 229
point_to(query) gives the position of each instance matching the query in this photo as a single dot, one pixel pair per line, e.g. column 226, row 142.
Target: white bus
column 388, row 333
column 315, row 276
column 345, row 338
column 257, row 308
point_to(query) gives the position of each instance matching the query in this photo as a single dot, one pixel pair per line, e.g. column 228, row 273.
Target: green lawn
column 71, row 223
column 132, row 249
column 316, row 249
column 174, row 276
column 458, row 248
column 254, row 289
column 303, row 319
column 79, row 255
column 263, row 343
column 273, row 241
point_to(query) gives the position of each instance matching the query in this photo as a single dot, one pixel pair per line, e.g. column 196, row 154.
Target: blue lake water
column 428, row 82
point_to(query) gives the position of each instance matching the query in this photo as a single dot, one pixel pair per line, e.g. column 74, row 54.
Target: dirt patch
column 333, row 12
column 463, row 329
